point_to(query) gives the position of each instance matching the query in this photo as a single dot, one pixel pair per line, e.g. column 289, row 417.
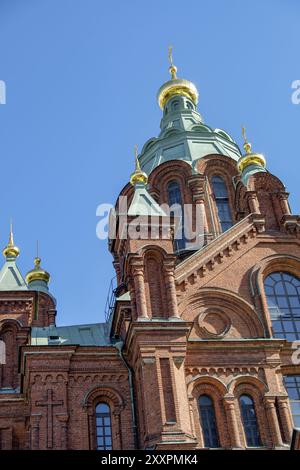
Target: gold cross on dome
column 244, row 133
column 247, row 145
column 170, row 55
column 137, row 163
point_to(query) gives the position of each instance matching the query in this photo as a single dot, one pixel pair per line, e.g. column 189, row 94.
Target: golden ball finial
column 11, row 251
column 173, row 71
column 138, row 176
column 250, row 158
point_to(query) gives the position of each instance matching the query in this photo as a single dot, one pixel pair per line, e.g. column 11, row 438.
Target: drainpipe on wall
column 119, row 345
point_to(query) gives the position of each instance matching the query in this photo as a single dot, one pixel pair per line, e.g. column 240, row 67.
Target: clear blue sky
column 82, row 77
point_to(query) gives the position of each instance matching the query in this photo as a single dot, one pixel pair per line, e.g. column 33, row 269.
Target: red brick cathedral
column 199, row 347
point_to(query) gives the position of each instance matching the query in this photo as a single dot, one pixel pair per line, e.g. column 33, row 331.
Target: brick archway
column 114, row 400
column 216, row 390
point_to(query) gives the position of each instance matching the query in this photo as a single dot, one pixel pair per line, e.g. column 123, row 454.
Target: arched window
column 103, row 427
column 292, row 385
column 222, row 202
column 208, row 421
column 175, row 200
column 283, row 296
column 249, row 421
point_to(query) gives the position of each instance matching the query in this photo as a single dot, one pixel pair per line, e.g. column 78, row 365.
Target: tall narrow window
column 208, row 421
column 249, row 421
column 222, row 202
column 283, row 296
column 103, row 427
column 175, row 200
column 292, row 385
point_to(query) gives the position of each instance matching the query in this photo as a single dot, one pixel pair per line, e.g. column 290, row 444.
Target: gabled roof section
column 144, row 204
column 11, row 277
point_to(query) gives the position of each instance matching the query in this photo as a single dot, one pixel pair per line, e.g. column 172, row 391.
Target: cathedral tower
column 207, row 320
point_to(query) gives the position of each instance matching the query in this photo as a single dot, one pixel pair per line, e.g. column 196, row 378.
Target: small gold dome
column 138, row 176
column 250, row 158
column 11, row 251
column 176, row 86
column 37, row 273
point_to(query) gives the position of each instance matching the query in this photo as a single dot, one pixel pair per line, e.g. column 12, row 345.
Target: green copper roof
column 123, row 297
column 84, row 335
column 184, row 136
column 144, row 204
column 11, row 278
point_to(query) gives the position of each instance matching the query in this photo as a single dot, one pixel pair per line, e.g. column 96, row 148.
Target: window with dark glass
column 103, row 427
column 249, row 421
column 292, row 385
column 208, row 421
column 283, row 296
column 222, row 202
column 175, row 200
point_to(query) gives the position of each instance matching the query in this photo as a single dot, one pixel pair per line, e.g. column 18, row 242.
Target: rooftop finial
column 37, row 259
column 11, row 251
column 251, row 162
column 11, row 235
column 38, row 273
column 137, row 163
column 172, row 68
column 138, row 176
column 247, row 145
column 176, row 86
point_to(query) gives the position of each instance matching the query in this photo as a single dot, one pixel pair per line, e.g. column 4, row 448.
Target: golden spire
column 176, row 86
column 172, row 68
column 250, row 158
column 138, row 176
column 11, row 251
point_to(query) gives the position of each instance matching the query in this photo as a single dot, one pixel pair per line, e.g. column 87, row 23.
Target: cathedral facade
column 199, row 349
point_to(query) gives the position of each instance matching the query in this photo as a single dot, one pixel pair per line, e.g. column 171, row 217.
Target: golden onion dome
column 37, row 273
column 250, row 158
column 176, row 86
column 138, row 176
column 11, row 250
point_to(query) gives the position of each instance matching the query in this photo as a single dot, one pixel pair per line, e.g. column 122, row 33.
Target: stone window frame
column 254, row 418
column 211, row 425
column 223, row 166
column 105, row 415
column 216, row 172
column 273, row 263
column 171, row 170
column 115, row 402
column 216, row 198
column 216, row 390
column 180, row 244
column 19, row 334
column 245, row 386
column 292, row 317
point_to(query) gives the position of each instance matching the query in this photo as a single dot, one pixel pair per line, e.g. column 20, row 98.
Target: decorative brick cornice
column 220, row 249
